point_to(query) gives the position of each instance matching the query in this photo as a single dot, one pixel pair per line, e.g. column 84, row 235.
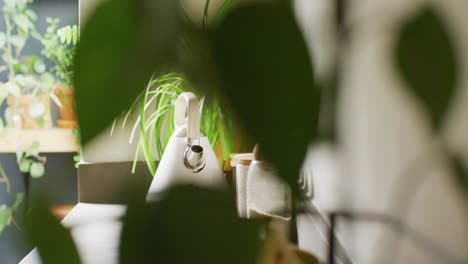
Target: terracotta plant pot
column 21, row 105
column 67, row 113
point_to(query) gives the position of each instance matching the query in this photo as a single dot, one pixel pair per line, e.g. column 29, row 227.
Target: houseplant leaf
column 461, row 173
column 33, row 149
column 265, row 72
column 5, row 217
column 427, row 62
column 18, row 41
column 162, row 231
column 114, row 61
column 37, row 170
column 37, row 109
column 52, row 240
column 22, row 21
column 68, row 33
column 24, row 165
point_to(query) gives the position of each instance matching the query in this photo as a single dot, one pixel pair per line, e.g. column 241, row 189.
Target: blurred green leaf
column 24, row 165
column 75, row 34
column 9, row 115
column 120, row 47
column 19, row 199
column 31, row 14
column 33, row 149
column 189, row 225
column 222, row 11
column 5, row 217
column 10, row 3
column 18, row 41
column 265, row 72
column 68, row 33
column 37, row 170
column 39, row 66
column 461, row 172
column 427, row 61
column 22, row 21
column 37, row 109
column 53, row 241
column 19, row 155
column 13, row 89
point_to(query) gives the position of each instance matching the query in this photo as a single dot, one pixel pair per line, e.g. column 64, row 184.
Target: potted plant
column 59, row 47
column 154, row 122
column 28, row 88
column 155, row 129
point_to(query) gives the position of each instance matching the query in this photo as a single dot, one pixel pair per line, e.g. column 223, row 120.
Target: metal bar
column 331, row 239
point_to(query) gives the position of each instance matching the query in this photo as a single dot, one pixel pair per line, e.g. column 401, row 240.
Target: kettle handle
column 187, row 106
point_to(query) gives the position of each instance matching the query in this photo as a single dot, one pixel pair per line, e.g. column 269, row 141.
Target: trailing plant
column 7, row 211
column 30, row 161
column 27, row 75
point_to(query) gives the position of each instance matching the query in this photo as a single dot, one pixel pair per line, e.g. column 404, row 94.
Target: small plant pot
column 21, row 105
column 67, row 113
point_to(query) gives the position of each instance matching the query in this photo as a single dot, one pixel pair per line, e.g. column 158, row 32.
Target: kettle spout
column 194, row 159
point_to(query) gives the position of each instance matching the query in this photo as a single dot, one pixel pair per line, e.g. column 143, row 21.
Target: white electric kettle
column 189, row 157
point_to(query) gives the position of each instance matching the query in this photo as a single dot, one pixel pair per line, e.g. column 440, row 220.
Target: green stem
column 146, row 148
column 5, row 178
column 205, row 13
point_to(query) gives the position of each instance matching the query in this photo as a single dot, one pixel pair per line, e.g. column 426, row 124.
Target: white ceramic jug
column 189, row 157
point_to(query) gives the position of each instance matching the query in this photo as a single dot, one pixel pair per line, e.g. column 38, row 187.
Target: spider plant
column 155, row 108
column 154, row 122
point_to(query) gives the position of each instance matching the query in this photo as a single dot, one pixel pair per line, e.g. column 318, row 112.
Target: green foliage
column 189, row 225
column 5, row 217
column 4, row 178
column 268, row 78
column 159, row 102
column 19, row 21
column 69, row 35
column 123, row 56
column 26, row 74
column 59, row 47
column 30, row 161
column 7, row 212
column 428, row 63
column 427, row 60
column 52, row 240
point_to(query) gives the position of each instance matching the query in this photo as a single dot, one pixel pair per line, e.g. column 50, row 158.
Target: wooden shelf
column 50, row 140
